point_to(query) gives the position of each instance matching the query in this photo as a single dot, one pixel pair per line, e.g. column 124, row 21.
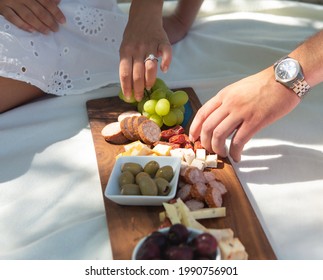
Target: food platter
column 128, row 224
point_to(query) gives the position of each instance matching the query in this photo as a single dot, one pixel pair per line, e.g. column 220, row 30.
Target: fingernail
column 165, row 69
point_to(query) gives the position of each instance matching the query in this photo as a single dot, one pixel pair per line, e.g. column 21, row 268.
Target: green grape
column 162, row 107
column 182, row 108
column 149, row 106
column 169, row 93
column 144, row 113
column 170, row 119
column 179, row 98
column 179, row 115
column 157, row 119
column 158, row 94
column 122, row 97
column 159, row 83
column 140, row 105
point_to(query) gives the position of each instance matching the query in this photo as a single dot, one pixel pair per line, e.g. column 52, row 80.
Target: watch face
column 287, row 70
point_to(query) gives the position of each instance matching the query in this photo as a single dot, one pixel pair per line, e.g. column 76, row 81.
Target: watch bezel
column 285, row 60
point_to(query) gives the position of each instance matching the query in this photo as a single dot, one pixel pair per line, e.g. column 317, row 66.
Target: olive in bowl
column 143, row 180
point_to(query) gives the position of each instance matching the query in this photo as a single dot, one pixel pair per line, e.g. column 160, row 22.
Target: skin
column 158, row 36
column 247, row 106
column 44, row 16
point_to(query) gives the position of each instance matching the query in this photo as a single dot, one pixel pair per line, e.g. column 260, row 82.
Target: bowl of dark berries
column 177, row 242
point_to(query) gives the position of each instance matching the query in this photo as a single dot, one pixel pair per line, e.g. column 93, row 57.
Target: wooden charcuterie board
column 128, row 224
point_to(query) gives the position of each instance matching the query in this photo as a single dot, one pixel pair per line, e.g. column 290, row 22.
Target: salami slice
column 149, row 132
column 112, row 133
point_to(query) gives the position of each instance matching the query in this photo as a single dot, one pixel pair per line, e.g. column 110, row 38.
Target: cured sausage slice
column 112, row 133
column 149, row 132
column 213, row 197
column 128, row 114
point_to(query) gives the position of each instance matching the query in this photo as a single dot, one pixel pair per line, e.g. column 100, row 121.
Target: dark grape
column 184, row 252
column 159, row 238
column 205, row 245
column 149, row 251
column 178, row 234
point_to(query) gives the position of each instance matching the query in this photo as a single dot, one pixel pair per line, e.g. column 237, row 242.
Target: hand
column 242, row 109
column 33, row 15
column 143, row 35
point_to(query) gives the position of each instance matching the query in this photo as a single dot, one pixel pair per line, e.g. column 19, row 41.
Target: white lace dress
column 81, row 56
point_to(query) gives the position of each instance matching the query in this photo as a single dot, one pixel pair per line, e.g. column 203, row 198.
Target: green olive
column 151, row 168
column 165, row 172
column 163, row 186
column 126, row 177
column 140, row 175
column 148, row 186
column 133, row 167
column 130, row 189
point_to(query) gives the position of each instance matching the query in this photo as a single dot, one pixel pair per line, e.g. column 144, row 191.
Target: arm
column 33, row 15
column 147, row 32
column 247, row 106
column 178, row 24
column 143, row 35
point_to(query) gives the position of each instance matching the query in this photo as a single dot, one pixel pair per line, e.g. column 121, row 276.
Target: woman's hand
column 143, row 35
column 242, row 109
column 33, row 15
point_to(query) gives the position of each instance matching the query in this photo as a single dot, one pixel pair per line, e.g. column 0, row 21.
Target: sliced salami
column 112, row 133
column 149, row 132
column 213, row 197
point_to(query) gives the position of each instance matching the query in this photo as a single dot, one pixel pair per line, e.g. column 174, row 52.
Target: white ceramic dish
column 112, row 190
column 193, row 232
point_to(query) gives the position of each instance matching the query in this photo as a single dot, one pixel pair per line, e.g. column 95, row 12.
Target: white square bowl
column 112, row 190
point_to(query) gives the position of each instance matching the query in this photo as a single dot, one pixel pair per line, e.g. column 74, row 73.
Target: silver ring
column 151, row 57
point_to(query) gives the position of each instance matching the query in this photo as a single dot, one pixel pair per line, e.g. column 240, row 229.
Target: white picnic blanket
column 51, row 205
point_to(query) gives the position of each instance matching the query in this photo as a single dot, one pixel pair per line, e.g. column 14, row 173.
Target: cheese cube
column 200, row 154
column 189, row 155
column 162, row 150
column 178, row 152
column 200, row 164
column 211, row 161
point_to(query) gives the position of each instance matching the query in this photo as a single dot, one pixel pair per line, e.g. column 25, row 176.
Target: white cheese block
column 200, row 154
column 200, row 164
column 162, row 150
column 189, row 155
column 211, row 161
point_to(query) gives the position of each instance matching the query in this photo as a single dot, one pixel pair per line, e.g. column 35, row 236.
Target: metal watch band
column 301, row 88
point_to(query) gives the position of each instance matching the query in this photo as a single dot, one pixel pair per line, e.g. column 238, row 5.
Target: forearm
column 310, row 56
column 146, row 9
column 187, row 10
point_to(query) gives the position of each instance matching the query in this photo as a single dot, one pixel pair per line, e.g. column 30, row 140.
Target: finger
column 138, row 76
column 52, row 7
column 222, row 132
column 150, row 73
column 42, row 20
column 125, row 74
column 243, row 134
column 201, row 115
column 12, row 17
column 165, row 51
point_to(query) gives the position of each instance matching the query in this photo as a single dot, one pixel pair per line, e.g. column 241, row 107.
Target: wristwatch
column 289, row 73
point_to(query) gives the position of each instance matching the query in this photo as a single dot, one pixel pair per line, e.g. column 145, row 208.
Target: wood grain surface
column 128, row 224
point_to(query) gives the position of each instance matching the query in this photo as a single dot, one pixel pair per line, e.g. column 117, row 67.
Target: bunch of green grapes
column 161, row 105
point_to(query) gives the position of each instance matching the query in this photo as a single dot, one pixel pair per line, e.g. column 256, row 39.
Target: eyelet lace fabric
column 81, row 56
